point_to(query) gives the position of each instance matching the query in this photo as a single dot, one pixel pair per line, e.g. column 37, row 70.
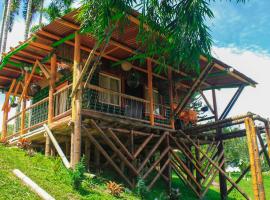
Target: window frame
column 161, row 114
column 119, row 86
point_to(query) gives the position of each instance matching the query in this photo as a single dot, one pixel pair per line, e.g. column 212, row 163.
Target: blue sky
column 245, row 26
column 241, row 35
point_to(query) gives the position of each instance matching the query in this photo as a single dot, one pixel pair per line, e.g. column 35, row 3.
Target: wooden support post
column 76, row 105
column 51, row 102
column 171, row 97
column 23, row 103
column 4, row 123
column 222, row 178
column 254, row 157
column 150, row 92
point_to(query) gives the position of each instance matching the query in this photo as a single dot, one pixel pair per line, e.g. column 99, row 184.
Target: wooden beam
column 44, row 69
column 150, row 92
column 4, row 122
column 36, row 57
column 5, row 78
column 171, row 97
column 256, row 173
column 41, row 46
column 27, row 82
column 23, row 114
column 5, row 105
column 23, row 59
column 15, row 92
column 19, row 71
column 207, row 102
column 194, row 88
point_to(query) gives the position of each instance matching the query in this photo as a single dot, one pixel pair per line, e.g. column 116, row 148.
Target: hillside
column 48, row 173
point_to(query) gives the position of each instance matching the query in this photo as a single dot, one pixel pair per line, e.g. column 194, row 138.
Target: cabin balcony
column 95, row 101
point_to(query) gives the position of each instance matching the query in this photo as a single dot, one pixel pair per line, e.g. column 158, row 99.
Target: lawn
column 50, row 174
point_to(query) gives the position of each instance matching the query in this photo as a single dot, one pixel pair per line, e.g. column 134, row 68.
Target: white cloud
column 256, row 65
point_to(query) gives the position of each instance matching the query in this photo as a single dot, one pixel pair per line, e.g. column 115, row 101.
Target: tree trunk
column 5, row 32
column 41, row 12
column 28, row 19
column 3, row 23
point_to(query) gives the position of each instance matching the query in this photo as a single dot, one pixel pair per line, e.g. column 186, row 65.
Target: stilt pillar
column 255, row 165
column 51, row 102
column 150, row 92
column 222, row 178
column 76, row 106
column 4, row 123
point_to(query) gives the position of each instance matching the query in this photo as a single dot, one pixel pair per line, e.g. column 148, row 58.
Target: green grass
column 51, row 175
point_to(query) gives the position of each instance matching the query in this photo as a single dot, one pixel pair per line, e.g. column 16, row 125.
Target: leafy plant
column 141, row 188
column 114, row 188
column 174, row 194
column 24, row 144
column 77, row 176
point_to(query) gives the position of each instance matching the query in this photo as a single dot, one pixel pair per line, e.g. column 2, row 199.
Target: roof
column 122, row 46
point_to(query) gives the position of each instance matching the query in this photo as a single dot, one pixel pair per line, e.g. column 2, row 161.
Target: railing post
column 23, row 103
column 150, row 92
column 76, row 106
column 171, row 97
column 51, row 101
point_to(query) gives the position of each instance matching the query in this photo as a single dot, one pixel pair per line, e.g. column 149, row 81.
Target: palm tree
column 6, row 25
column 3, row 23
column 28, row 18
column 58, row 8
column 41, row 12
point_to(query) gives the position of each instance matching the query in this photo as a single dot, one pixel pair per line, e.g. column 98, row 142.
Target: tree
column 10, row 11
column 3, row 22
column 28, row 18
column 58, row 8
column 173, row 31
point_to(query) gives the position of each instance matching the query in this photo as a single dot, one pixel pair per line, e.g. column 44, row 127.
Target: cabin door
column 134, row 108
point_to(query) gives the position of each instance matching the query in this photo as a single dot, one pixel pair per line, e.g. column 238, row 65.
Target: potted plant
column 35, row 88
column 13, row 102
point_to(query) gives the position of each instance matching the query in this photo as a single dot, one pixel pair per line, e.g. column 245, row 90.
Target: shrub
column 174, row 194
column 114, row 188
column 78, row 174
column 141, row 188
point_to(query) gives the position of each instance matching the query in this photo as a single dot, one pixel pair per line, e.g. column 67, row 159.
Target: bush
column 141, row 188
column 78, row 174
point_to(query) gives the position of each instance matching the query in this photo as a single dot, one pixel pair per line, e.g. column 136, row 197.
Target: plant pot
column 35, row 88
column 13, row 105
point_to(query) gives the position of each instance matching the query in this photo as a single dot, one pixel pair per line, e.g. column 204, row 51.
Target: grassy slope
column 55, row 179
column 49, row 174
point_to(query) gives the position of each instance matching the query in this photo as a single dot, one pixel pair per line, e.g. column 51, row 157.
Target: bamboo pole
column 255, row 166
column 57, row 147
column 171, row 97
column 33, row 186
column 51, row 101
column 76, row 106
column 150, row 92
column 23, row 115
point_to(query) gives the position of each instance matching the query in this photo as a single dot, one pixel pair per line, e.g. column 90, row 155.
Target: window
column 156, row 97
column 110, row 83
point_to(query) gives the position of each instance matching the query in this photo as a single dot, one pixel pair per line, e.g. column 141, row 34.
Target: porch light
column 126, row 66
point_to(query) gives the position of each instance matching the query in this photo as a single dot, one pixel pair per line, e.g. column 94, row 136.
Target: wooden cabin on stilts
column 124, row 115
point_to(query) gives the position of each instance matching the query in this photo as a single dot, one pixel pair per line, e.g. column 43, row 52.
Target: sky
column 241, row 38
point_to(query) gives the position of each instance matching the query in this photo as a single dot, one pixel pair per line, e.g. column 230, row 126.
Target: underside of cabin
column 124, row 115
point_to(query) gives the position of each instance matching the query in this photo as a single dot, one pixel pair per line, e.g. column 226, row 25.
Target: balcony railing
column 94, row 98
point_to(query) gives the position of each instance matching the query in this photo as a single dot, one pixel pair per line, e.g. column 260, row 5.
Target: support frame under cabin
column 126, row 116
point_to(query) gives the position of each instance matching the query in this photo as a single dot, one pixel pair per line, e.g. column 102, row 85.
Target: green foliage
column 77, row 175
column 175, row 194
column 181, row 22
column 141, row 188
column 35, row 28
column 236, row 151
column 58, row 8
